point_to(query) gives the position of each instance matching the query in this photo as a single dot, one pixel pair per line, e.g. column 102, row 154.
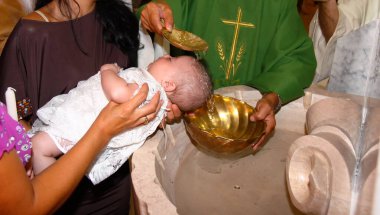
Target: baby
column 64, row 120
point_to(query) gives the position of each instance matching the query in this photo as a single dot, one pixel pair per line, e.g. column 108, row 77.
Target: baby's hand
column 113, row 67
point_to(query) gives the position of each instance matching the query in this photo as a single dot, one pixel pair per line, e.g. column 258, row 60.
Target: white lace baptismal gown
column 69, row 116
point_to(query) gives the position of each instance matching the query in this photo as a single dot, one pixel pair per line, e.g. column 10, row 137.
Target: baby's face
column 168, row 66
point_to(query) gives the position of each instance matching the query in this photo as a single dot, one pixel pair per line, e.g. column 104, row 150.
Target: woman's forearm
column 54, row 185
column 62, row 178
column 68, row 171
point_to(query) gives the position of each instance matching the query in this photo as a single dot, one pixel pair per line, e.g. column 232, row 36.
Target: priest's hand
column 266, row 110
column 155, row 16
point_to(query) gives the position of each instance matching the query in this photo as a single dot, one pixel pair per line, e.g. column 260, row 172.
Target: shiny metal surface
column 222, row 127
column 185, row 40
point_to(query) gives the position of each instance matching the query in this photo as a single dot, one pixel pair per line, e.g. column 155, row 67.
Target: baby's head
column 184, row 79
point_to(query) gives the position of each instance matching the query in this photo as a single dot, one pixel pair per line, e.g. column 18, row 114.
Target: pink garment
column 13, row 136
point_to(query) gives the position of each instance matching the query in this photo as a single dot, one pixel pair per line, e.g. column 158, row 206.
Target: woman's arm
column 47, row 191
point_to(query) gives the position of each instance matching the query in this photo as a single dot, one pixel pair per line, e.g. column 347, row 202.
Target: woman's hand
column 173, row 114
column 152, row 15
column 116, row 118
column 265, row 110
column 35, row 198
column 25, row 124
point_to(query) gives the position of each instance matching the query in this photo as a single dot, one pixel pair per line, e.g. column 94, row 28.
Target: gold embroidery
column 238, row 58
column 222, row 56
column 220, row 51
column 231, row 65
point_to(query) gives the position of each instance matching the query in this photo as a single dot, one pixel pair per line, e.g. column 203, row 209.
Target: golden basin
column 185, row 40
column 222, row 127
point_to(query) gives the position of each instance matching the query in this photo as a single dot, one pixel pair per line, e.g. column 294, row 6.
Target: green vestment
column 259, row 43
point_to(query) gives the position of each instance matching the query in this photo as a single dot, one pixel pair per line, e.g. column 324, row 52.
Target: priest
column 258, row 43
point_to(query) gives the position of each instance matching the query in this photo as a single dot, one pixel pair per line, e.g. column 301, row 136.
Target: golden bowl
column 185, row 40
column 222, row 127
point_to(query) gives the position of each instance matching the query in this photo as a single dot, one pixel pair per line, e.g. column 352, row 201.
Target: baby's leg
column 44, row 152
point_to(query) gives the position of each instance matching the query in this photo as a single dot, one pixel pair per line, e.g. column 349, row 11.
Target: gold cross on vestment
column 237, row 23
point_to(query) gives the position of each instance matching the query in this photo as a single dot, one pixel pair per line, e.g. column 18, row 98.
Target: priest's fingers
column 153, row 14
column 267, row 116
column 264, row 111
column 149, row 16
column 167, row 15
column 259, row 144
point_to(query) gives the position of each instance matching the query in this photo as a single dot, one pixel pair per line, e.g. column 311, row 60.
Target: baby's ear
column 169, row 85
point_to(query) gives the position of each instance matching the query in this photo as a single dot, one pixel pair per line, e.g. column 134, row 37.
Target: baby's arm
column 114, row 87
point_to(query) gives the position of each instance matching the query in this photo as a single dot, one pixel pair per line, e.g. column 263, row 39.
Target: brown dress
column 42, row 60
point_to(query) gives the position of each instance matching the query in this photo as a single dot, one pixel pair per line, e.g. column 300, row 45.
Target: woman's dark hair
column 120, row 25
